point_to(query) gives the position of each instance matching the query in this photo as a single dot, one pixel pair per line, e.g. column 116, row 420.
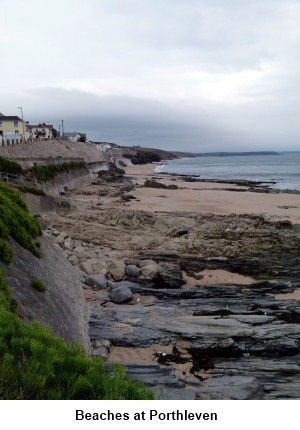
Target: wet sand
column 208, row 197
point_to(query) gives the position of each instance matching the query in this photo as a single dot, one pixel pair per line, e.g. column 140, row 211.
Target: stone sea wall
column 62, row 306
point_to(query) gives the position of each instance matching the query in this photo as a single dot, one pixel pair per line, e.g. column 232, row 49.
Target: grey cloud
column 131, row 121
column 178, row 53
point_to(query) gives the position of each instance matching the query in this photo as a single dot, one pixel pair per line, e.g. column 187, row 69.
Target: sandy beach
column 208, row 197
column 213, row 236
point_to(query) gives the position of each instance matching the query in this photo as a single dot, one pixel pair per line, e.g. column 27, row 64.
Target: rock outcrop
column 222, row 341
column 241, row 343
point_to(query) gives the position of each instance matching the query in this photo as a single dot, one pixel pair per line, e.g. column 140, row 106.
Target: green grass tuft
column 38, row 285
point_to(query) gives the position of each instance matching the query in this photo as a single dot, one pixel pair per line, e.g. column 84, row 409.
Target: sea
column 280, row 171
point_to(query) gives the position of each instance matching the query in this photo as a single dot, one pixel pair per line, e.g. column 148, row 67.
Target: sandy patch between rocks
column 120, row 354
column 218, row 276
column 289, row 296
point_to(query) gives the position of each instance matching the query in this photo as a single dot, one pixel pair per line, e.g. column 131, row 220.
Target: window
column 0, row 123
column 15, row 123
column 17, row 132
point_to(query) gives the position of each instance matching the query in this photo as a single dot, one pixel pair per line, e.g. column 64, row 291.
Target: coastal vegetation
column 34, row 364
column 41, row 173
column 49, row 171
column 29, row 189
column 16, row 221
column 38, row 285
column 11, row 167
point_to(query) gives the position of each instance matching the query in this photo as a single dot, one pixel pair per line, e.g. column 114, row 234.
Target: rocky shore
column 199, row 304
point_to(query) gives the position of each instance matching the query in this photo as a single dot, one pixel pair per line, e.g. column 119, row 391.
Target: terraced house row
column 14, row 130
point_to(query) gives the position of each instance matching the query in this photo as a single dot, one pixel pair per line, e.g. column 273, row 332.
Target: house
column 41, row 131
column 75, row 136
column 12, row 129
column 103, row 146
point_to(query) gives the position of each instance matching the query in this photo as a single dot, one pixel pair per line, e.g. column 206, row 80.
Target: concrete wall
column 97, row 166
column 39, row 204
column 72, row 179
column 62, row 306
column 26, row 163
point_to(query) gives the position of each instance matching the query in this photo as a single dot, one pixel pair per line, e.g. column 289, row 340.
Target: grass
column 38, row 285
column 29, row 189
column 48, row 172
column 34, row 364
column 16, row 221
column 8, row 166
column 6, row 252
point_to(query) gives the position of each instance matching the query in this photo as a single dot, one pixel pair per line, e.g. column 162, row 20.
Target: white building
column 41, row 131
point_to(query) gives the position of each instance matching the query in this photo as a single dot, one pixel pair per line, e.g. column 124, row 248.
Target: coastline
column 222, row 242
column 208, row 197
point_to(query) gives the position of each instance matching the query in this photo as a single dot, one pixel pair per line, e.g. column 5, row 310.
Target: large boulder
column 170, row 274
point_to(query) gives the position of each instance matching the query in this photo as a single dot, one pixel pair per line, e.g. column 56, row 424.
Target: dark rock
column 96, row 280
column 170, row 274
column 132, row 271
column 120, row 294
column 181, row 230
column 242, row 342
column 100, row 351
column 230, row 388
column 258, row 265
column 127, row 197
column 151, row 183
column 165, row 383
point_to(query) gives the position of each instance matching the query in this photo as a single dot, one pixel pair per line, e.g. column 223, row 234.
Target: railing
column 9, row 178
column 10, row 141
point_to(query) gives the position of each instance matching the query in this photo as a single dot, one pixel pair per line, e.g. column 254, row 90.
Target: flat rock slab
column 240, row 342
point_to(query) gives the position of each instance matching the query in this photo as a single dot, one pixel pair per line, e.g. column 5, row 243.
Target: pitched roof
column 31, row 126
column 10, row 118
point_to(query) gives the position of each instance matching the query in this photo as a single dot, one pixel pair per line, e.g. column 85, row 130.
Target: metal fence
column 9, row 178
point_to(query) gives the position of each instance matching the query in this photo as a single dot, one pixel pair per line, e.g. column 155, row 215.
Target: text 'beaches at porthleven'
column 151, row 415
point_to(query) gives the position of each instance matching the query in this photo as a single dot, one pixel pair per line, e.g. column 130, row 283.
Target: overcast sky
column 198, row 75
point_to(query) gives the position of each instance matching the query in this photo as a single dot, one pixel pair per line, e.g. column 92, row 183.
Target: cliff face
column 62, row 305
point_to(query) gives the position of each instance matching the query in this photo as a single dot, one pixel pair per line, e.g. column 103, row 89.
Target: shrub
column 38, row 285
